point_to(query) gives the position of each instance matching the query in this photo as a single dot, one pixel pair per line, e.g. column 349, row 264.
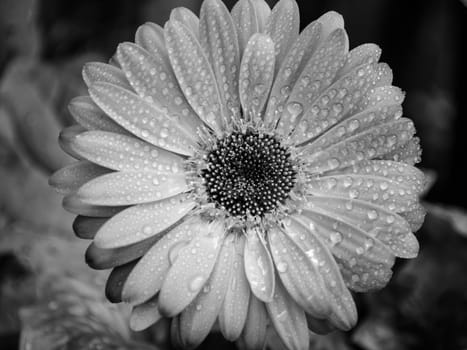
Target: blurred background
column 49, row 298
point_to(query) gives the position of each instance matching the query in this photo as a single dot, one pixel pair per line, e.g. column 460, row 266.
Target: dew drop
column 196, row 283
column 282, row 267
column 372, row 215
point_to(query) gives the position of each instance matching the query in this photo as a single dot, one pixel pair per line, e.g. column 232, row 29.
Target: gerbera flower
column 231, row 169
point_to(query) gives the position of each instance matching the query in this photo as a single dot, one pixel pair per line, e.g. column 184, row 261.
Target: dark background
column 43, row 44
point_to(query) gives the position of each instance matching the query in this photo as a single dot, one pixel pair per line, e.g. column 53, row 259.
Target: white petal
column 317, row 75
column 368, row 144
column 340, row 99
column 86, row 113
column 360, row 55
column 142, row 118
column 379, row 97
column 254, row 334
column 219, row 40
column 402, row 174
column 256, row 75
column 73, row 176
column 187, row 17
column 299, row 275
column 410, row 152
column 125, row 153
column 125, row 188
column 352, row 125
column 149, row 273
column 191, row 270
column 152, row 77
column 364, row 261
column 374, row 189
column 259, row 269
column 150, row 36
column 145, row 315
column 262, row 12
column 232, row 316
column 283, row 26
column 330, row 21
column 142, row 221
column 66, row 135
column 288, row 319
column 198, row 318
column 246, row 23
column 379, row 223
column 293, row 65
column 194, row 74
column 344, row 312
column 97, row 71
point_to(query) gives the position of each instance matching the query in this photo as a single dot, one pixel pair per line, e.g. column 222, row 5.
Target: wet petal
column 86, row 227
column 194, row 74
column 360, row 55
column 115, row 281
column 254, row 334
column 125, row 153
column 191, row 270
column 86, row 113
column 364, row 261
column 288, row 319
column 379, row 223
column 259, row 269
column 246, row 23
column 145, row 315
column 75, row 205
column 142, row 221
column 219, row 40
column 141, row 118
column 103, row 259
column 152, row 77
column 293, row 65
column 97, row 71
column 148, row 275
column 126, row 188
column 371, row 117
column 368, row 144
column 402, row 174
column 232, row 316
column 283, row 26
column 150, row 36
column 340, row 99
column 299, row 275
column 262, row 12
column 317, row 75
column 187, row 17
column 66, row 135
column 379, row 97
column 369, row 188
column 198, row 318
column 344, row 312
column 330, row 21
column 409, row 152
column 256, row 75
column 415, row 217
column 68, row 179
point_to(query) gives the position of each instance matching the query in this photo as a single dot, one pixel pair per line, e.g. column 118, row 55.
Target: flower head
column 232, row 169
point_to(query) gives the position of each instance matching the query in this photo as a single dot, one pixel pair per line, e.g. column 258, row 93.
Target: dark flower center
column 248, row 173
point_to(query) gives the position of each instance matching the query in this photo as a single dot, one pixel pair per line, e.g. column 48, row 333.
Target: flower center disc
column 248, row 173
